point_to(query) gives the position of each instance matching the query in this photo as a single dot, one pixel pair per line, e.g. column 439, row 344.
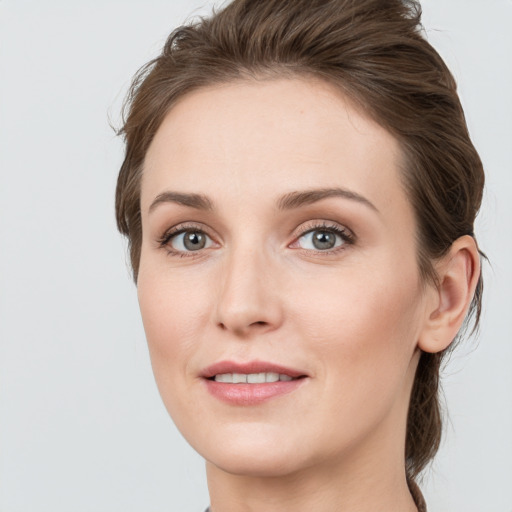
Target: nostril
column 258, row 324
column 244, row 329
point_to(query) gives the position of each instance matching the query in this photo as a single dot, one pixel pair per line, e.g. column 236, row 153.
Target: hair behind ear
column 424, row 418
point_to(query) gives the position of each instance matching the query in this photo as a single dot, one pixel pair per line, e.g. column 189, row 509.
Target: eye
column 324, row 238
column 189, row 240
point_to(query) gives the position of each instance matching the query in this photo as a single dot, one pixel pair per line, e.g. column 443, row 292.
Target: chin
column 251, row 451
column 253, row 464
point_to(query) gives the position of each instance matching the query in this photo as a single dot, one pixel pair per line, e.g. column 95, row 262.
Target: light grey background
column 82, row 427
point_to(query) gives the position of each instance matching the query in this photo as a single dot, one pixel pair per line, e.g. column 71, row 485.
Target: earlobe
column 458, row 274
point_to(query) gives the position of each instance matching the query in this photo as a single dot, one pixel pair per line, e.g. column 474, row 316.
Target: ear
column 458, row 273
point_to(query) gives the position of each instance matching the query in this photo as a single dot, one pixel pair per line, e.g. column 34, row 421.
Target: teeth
column 251, row 378
column 272, row 377
column 224, row 377
column 256, row 378
column 239, row 378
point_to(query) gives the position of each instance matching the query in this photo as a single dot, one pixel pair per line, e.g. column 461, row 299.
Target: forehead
column 271, row 136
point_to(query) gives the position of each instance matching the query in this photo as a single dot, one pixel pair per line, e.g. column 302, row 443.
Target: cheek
column 361, row 330
column 173, row 311
column 363, row 322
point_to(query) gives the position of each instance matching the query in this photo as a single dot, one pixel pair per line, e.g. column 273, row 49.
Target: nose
column 248, row 302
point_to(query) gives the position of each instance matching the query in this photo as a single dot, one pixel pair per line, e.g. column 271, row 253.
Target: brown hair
column 373, row 50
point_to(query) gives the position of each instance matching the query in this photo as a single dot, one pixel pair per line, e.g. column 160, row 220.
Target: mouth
column 252, row 372
column 251, row 383
column 253, row 378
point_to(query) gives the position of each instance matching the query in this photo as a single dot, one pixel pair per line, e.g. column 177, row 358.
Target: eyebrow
column 302, row 198
column 198, row 201
column 289, row 201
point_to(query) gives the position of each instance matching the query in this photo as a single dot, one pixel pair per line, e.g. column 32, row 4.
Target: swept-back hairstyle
column 372, row 50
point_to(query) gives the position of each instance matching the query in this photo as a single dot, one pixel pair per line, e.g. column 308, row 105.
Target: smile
column 250, row 383
column 252, row 378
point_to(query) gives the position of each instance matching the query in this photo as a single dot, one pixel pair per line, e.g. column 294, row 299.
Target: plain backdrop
column 82, row 427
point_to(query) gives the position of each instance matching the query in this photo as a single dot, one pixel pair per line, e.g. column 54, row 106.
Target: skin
column 353, row 319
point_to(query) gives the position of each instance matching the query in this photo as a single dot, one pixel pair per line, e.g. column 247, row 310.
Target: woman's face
column 279, row 243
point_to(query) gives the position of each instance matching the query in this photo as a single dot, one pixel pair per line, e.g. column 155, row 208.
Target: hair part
column 375, row 53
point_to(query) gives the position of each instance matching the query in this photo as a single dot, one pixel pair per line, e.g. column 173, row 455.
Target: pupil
column 324, row 240
column 194, row 241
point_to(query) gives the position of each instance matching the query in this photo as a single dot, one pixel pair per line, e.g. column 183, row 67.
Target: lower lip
column 251, row 394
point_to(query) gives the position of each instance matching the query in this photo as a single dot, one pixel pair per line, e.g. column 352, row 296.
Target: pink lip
column 250, row 394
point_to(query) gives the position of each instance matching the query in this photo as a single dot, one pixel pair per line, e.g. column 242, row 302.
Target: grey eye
column 320, row 240
column 191, row 241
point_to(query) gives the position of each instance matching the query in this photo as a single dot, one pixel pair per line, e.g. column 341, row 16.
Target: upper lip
column 249, row 367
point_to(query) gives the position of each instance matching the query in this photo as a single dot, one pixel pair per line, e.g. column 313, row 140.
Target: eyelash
column 165, row 239
column 346, row 235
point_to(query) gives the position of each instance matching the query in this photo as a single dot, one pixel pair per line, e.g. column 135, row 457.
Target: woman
column 299, row 192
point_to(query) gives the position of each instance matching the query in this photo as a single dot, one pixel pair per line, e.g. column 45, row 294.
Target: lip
column 250, row 394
